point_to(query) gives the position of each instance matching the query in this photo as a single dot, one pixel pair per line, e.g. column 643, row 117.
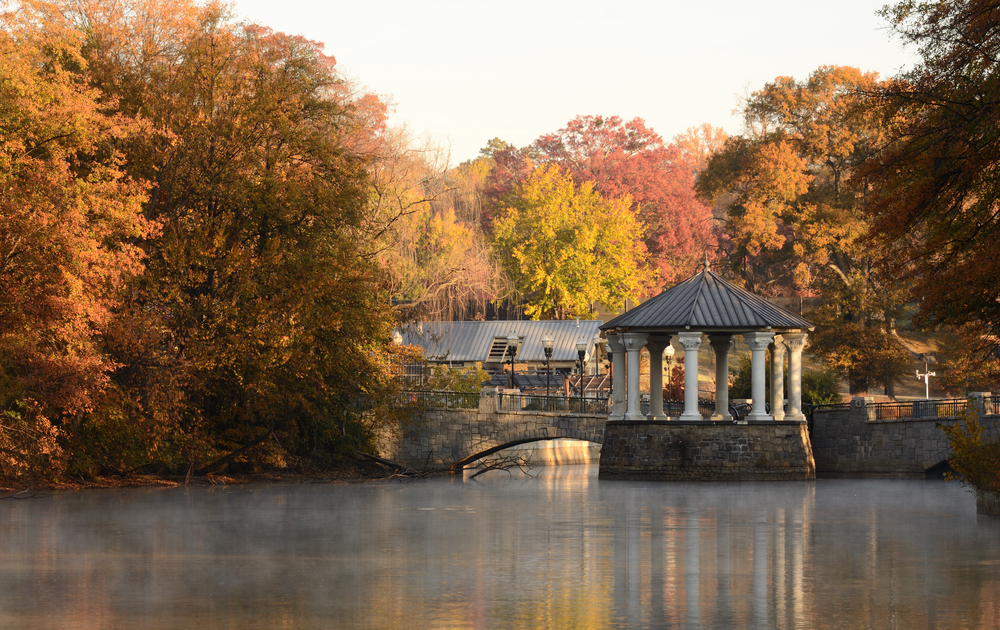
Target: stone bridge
column 437, row 438
column 846, row 442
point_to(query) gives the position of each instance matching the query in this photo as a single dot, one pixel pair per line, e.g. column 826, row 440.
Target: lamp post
column 581, row 351
column 512, row 342
column 547, row 343
column 397, row 338
column 926, row 378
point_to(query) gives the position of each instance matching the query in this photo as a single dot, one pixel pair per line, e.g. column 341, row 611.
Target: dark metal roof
column 706, row 302
column 471, row 341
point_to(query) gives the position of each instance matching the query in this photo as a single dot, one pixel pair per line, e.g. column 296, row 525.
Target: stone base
column 702, row 451
column 988, row 503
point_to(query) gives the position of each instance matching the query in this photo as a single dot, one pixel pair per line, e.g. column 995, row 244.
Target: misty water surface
column 563, row 550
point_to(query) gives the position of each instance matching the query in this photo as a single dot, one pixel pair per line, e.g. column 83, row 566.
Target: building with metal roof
column 707, row 304
column 468, row 343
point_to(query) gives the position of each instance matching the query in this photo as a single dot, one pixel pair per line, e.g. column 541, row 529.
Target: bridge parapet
column 890, row 439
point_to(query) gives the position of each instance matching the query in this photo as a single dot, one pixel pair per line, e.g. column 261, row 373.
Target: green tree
column 565, row 247
column 820, row 387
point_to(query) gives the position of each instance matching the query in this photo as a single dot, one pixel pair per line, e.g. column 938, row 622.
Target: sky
column 463, row 72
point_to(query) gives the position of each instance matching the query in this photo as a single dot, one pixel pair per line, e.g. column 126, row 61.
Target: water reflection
column 562, row 550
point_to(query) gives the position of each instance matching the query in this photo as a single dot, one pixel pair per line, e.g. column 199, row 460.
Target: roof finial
column 708, row 265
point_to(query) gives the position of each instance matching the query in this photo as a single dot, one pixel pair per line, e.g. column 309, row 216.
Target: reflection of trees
column 557, row 551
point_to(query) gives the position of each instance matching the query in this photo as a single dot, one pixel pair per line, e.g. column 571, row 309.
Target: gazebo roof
column 705, row 302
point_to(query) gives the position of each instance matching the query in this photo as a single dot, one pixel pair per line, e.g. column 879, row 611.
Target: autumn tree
column 69, row 221
column 620, row 159
column 935, row 191
column 628, row 159
column 566, row 247
column 262, row 319
column 440, row 266
column 797, row 218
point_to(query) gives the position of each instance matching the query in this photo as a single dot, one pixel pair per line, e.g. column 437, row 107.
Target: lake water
column 562, row 550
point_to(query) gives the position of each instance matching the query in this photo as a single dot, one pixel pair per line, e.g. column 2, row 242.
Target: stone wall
column 846, row 443
column 706, row 451
column 439, row 438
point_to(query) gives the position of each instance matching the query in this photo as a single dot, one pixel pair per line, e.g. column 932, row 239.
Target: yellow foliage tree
column 566, row 247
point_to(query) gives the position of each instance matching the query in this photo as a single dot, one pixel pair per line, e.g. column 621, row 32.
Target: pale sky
column 465, row 72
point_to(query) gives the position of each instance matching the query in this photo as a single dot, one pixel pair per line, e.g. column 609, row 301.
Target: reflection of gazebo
column 706, row 304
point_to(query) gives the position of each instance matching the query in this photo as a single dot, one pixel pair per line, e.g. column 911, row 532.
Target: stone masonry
column 438, row 438
column 846, row 443
column 707, row 451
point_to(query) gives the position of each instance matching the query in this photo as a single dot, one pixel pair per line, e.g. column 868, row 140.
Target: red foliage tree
column 628, row 158
column 621, row 158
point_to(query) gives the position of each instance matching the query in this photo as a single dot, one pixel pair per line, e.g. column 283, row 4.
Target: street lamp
column 397, row 338
column 512, row 341
column 581, row 351
column 926, row 378
column 547, row 343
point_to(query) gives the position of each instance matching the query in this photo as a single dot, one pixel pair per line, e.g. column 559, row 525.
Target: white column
column 721, row 344
column 758, row 342
column 617, row 350
column 778, row 378
column 795, row 342
column 656, row 345
column 633, row 344
column 690, row 341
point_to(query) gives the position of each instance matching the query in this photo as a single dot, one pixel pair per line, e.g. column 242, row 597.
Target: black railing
column 442, row 399
column 991, row 405
column 916, row 410
column 570, row 404
column 674, row 408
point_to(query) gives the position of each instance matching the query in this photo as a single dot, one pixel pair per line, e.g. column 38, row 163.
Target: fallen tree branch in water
column 504, row 463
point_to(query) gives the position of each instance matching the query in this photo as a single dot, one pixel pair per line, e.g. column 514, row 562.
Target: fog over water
column 562, row 550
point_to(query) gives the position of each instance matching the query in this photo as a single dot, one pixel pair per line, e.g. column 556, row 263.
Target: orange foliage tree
column 796, row 214
column 69, row 221
column 935, row 192
column 189, row 239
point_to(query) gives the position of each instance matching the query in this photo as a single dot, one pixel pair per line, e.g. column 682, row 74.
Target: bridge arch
column 486, row 452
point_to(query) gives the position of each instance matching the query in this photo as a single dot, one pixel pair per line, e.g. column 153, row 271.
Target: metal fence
column 674, row 408
column 917, row 410
column 569, row 404
column 992, row 405
column 442, row 399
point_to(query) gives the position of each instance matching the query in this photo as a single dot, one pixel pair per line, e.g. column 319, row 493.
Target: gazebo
column 705, row 304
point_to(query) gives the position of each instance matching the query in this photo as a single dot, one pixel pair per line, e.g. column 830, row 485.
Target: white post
column 656, row 345
column 690, row 341
column 633, row 344
column 795, row 342
column 721, row 344
column 778, row 378
column 617, row 350
column 758, row 342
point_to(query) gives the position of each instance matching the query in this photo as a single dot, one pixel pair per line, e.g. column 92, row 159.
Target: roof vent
column 498, row 351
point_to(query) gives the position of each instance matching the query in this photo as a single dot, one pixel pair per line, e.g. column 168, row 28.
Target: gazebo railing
column 674, row 408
